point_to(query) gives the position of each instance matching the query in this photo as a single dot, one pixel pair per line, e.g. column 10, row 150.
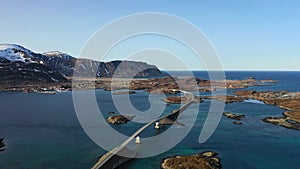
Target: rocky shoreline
column 161, row 85
column 124, row 92
column 289, row 101
column 204, row 160
column 284, row 99
column 283, row 121
column 181, row 99
column 165, row 85
column 227, row 99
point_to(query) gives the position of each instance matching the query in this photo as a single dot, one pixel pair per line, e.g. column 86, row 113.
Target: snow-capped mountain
column 58, row 54
column 20, row 65
column 15, row 59
column 17, row 53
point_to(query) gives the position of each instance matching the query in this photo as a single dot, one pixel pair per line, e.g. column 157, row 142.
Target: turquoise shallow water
column 42, row 131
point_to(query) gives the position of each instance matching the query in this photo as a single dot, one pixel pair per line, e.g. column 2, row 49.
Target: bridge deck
column 103, row 162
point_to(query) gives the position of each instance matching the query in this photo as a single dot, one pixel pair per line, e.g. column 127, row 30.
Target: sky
column 247, row 35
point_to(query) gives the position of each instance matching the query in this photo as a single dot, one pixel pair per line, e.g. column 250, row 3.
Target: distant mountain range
column 20, row 65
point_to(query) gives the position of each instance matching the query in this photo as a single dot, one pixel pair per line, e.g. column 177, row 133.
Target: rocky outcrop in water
column 119, row 119
column 204, row 160
column 2, row 145
column 234, row 116
column 237, row 123
column 284, row 122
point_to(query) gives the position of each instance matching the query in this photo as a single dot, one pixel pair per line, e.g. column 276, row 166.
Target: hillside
column 19, row 65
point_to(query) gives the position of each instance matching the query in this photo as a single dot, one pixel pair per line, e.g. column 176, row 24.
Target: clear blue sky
column 248, row 35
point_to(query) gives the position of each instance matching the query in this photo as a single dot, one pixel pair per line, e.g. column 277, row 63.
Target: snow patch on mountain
column 15, row 53
column 13, row 46
column 57, row 54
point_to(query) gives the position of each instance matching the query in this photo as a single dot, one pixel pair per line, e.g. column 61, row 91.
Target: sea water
column 42, row 131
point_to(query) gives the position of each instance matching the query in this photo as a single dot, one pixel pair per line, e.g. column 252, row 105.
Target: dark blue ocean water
column 42, row 131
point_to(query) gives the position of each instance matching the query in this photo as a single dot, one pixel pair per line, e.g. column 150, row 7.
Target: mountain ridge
column 18, row 64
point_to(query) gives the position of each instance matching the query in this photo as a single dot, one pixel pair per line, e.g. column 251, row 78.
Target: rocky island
column 2, row 145
column 284, row 99
column 289, row 101
column 119, row 119
column 204, row 160
column 234, row 116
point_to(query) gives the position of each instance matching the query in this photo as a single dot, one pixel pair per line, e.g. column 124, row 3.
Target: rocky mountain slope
column 21, row 65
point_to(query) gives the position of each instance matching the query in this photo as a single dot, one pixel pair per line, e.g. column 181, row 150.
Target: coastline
column 150, row 84
column 226, row 128
column 289, row 101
